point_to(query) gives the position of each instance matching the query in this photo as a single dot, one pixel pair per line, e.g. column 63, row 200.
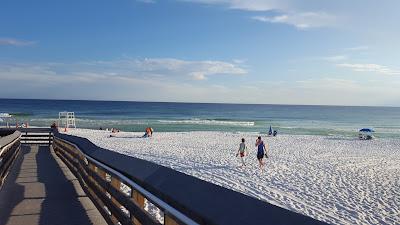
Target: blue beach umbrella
column 270, row 130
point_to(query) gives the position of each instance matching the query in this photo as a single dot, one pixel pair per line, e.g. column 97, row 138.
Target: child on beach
column 242, row 151
column 260, row 152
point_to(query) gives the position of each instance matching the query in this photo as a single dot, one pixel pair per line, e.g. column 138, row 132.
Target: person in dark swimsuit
column 260, row 152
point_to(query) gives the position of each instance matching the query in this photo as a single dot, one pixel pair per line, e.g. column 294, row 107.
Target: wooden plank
column 117, row 185
column 138, row 198
column 168, row 220
column 35, row 130
column 117, row 214
column 97, row 201
column 36, row 135
column 124, row 200
column 35, row 139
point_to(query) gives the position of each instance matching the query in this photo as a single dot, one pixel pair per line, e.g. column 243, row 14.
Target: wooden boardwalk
column 40, row 189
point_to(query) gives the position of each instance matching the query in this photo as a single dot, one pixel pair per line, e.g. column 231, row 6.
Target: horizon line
column 181, row 102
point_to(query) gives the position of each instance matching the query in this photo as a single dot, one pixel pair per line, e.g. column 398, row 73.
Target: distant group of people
column 113, row 130
column 148, row 132
column 262, row 151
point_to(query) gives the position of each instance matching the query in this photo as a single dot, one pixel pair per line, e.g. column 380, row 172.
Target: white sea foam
column 208, row 122
column 334, row 179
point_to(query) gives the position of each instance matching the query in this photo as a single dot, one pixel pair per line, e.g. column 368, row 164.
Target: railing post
column 139, row 199
column 117, row 185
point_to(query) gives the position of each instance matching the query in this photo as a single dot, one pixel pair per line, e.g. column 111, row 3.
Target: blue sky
column 238, row 51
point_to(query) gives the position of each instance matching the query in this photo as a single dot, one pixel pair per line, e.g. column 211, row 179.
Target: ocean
column 171, row 117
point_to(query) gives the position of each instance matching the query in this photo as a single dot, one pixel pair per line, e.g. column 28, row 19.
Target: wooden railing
column 40, row 136
column 120, row 200
column 10, row 146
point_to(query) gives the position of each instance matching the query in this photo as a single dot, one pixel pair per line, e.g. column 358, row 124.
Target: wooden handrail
column 10, row 146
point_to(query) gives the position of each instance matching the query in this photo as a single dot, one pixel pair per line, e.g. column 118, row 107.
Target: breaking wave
column 209, row 122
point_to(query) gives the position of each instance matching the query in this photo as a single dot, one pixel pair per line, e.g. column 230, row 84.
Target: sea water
column 136, row 116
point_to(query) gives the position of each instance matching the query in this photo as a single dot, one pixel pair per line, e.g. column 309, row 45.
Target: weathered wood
column 168, row 220
column 8, row 154
column 96, row 201
column 128, row 203
column 115, row 183
column 37, row 136
column 95, row 179
column 116, row 214
column 138, row 198
column 49, row 199
column 46, row 135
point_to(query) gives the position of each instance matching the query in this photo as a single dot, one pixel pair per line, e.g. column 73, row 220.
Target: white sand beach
column 333, row 179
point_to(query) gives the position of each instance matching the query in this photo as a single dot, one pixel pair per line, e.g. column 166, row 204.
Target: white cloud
column 358, row 48
column 198, row 76
column 370, row 68
column 328, row 84
column 335, row 58
column 15, row 42
column 105, row 80
column 150, row 68
column 304, row 20
column 250, row 5
column 198, row 70
column 146, row 1
column 170, row 80
column 286, row 10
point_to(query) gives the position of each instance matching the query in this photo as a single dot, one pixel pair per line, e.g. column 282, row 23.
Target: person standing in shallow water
column 260, row 152
column 242, row 151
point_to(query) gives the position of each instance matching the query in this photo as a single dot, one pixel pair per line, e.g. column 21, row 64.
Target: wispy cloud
column 250, row 5
column 131, row 79
column 148, row 68
column 380, row 69
column 335, row 58
column 146, row 1
column 303, row 21
column 110, row 80
column 15, row 42
column 197, row 70
column 358, row 48
column 285, row 10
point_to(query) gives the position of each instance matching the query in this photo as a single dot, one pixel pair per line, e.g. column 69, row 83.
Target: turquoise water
column 135, row 116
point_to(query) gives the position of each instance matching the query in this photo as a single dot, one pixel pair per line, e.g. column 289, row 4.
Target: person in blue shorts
column 260, row 152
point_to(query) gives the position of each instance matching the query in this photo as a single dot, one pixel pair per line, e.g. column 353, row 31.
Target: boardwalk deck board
column 40, row 190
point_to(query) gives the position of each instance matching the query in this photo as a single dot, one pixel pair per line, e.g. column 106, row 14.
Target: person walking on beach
column 260, row 152
column 242, row 151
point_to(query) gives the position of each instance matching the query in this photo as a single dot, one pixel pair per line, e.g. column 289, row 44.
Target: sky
column 308, row 52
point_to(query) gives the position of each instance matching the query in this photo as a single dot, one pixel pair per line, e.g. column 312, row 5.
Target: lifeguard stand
column 66, row 119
